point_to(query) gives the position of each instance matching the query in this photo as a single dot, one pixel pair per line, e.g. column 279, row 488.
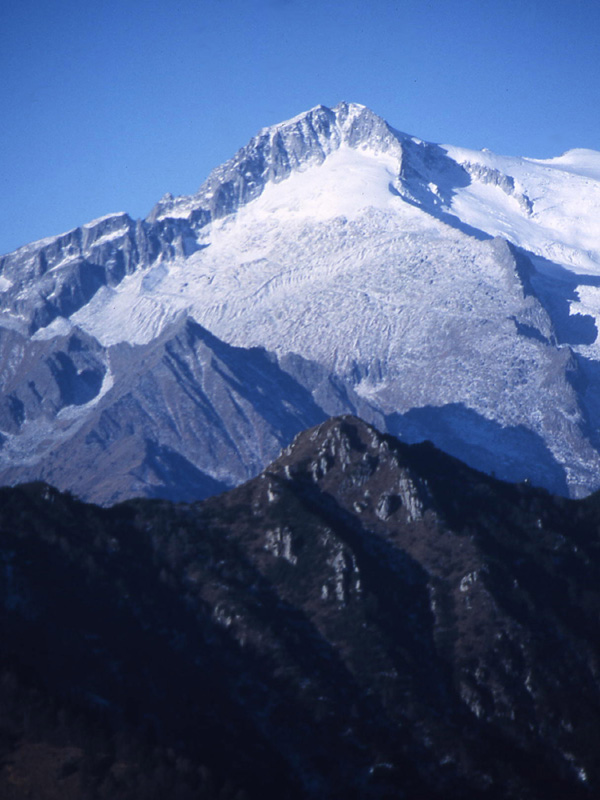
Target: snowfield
column 454, row 293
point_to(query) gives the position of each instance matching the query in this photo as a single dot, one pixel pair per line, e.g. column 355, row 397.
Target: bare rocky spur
column 364, row 619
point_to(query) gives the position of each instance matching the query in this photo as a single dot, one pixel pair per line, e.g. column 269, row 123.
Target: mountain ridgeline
column 68, row 270
column 364, row 619
column 337, row 413
column 334, row 265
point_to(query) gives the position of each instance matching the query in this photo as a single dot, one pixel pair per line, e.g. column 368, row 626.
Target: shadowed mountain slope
column 183, row 417
column 365, row 619
column 436, row 292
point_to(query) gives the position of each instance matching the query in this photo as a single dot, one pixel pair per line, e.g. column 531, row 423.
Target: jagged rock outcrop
column 274, row 154
column 55, row 277
column 363, row 619
column 436, row 292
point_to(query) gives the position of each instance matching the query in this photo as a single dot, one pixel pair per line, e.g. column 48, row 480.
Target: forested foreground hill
column 365, row 619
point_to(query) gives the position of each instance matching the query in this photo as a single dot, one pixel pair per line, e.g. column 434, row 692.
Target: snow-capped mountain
column 437, row 292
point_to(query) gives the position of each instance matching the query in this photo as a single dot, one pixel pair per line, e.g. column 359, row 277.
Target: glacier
column 437, row 292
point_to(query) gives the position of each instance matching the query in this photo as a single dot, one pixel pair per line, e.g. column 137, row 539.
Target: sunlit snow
column 376, row 259
column 563, row 224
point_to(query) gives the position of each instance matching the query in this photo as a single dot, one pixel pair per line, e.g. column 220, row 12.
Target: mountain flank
column 364, row 619
column 338, row 266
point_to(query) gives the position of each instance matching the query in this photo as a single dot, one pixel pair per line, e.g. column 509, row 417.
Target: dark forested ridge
column 365, row 619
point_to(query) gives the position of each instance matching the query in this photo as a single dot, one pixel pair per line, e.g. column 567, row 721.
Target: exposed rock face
column 52, row 279
column 437, row 293
column 363, row 619
column 274, row 154
column 57, row 276
column 183, row 417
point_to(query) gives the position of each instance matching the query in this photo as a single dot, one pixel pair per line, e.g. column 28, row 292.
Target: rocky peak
column 277, row 151
column 369, row 472
column 440, row 645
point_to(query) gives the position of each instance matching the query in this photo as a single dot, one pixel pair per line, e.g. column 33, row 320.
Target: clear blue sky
column 106, row 106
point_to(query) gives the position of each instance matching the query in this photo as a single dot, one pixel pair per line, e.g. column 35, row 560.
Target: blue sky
column 106, row 106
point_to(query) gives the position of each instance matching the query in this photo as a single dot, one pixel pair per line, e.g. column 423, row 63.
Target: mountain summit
column 275, row 153
column 333, row 265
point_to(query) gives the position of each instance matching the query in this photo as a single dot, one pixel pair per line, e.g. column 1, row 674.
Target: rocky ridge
column 436, row 293
column 363, row 619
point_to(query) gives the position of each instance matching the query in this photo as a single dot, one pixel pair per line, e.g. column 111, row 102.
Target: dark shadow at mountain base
column 510, row 453
column 178, row 479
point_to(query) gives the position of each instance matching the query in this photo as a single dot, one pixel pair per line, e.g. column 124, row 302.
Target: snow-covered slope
column 439, row 292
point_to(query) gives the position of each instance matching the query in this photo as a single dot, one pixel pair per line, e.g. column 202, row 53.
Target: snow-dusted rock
column 439, row 293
